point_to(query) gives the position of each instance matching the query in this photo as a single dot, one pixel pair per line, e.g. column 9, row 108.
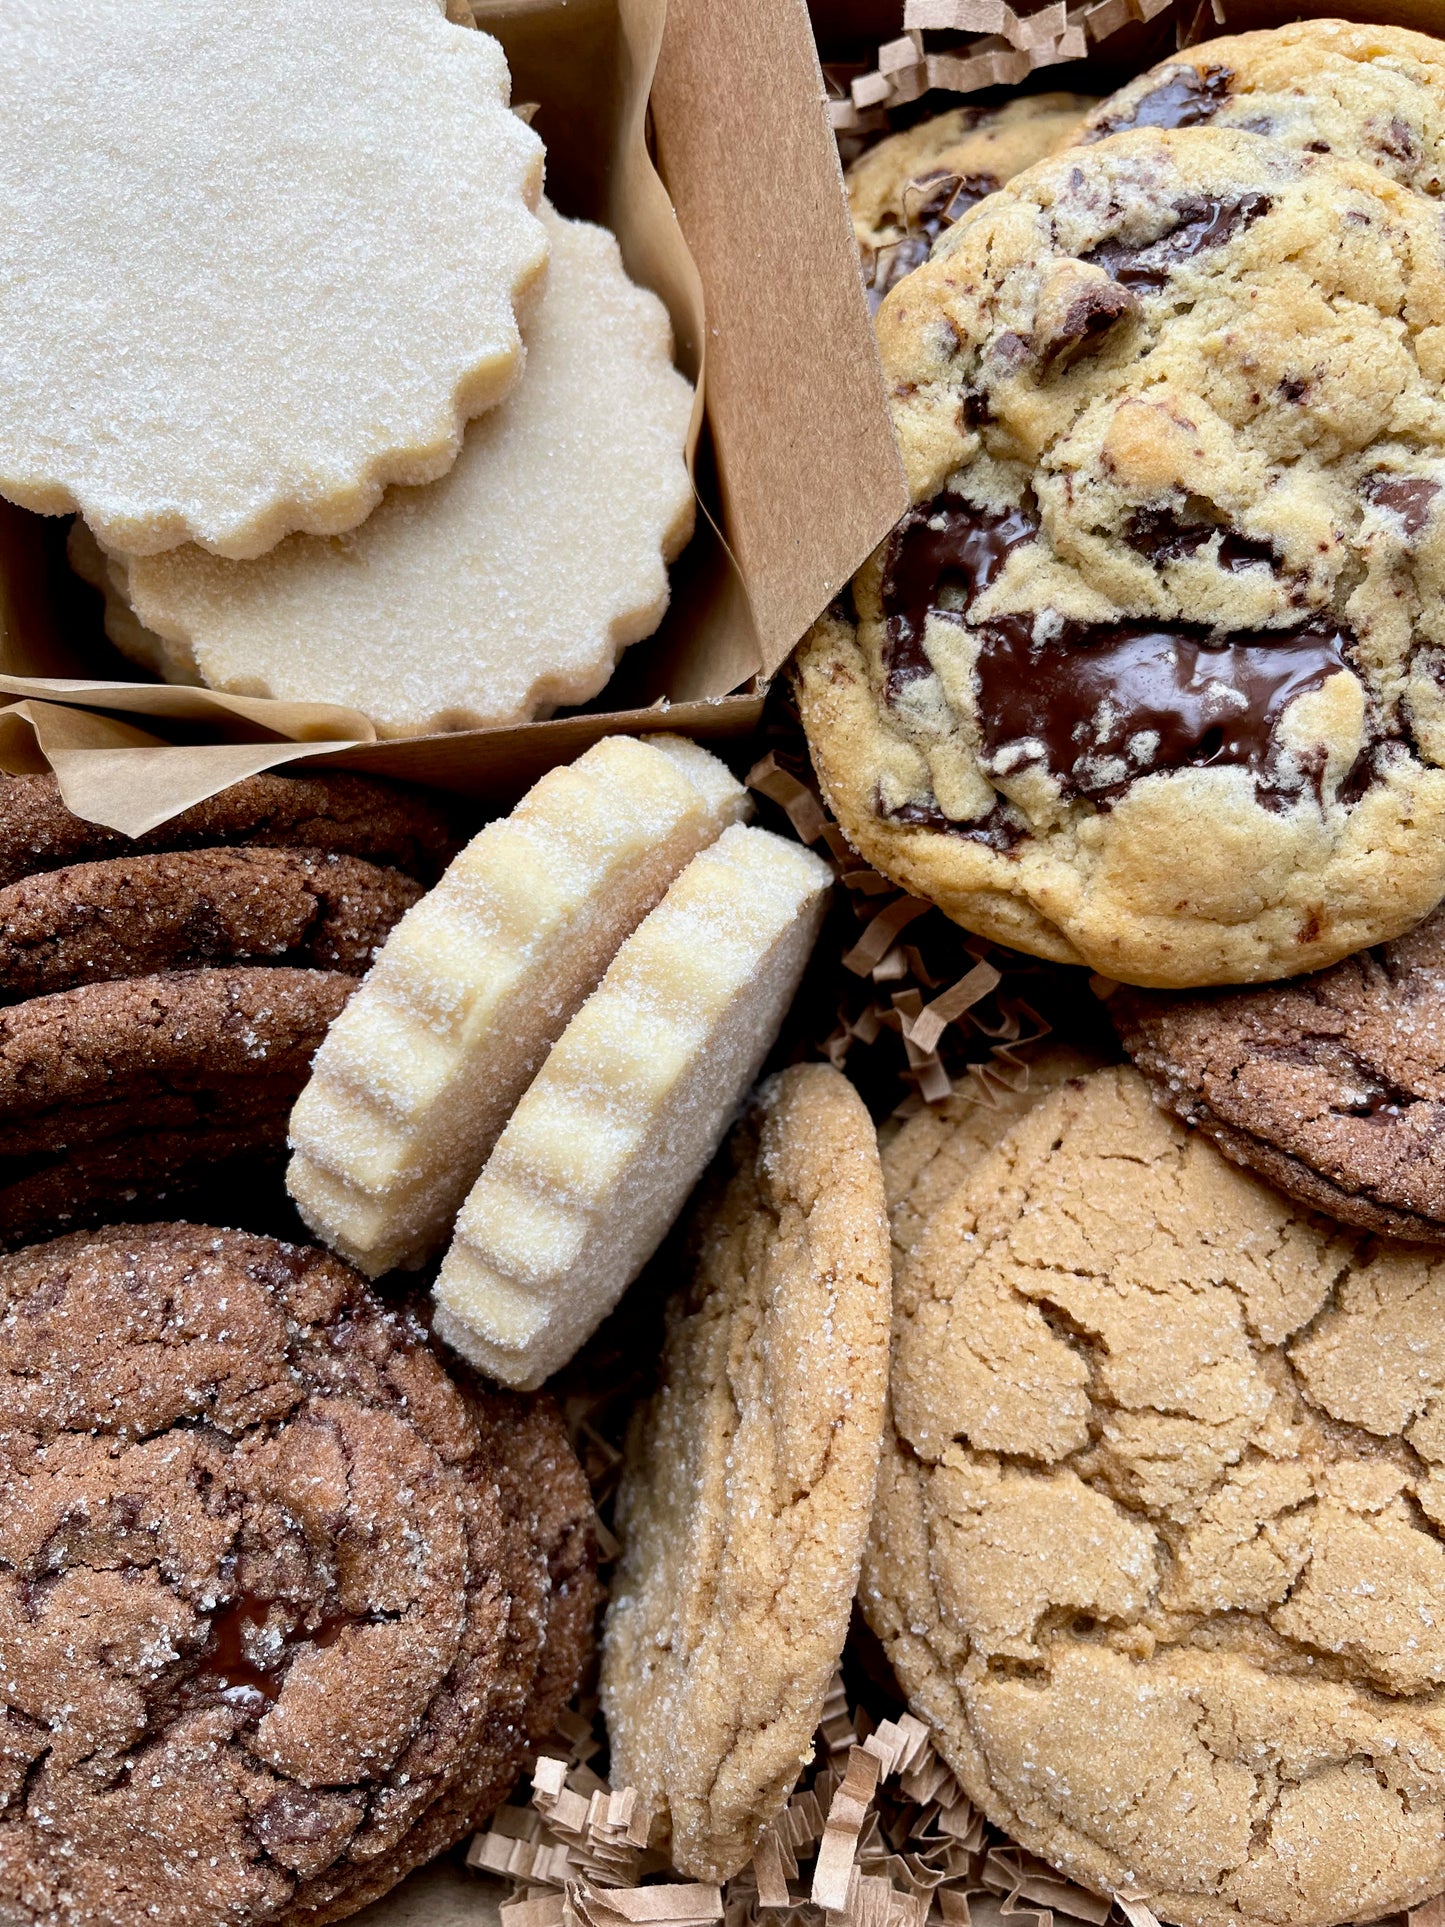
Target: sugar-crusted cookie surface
column 282, row 1606
column 505, row 589
column 1157, row 1549
column 1331, row 1087
column 1146, row 677
column 228, row 232
column 749, row 1480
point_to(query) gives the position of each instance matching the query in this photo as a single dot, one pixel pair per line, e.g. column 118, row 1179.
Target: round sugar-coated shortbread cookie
column 280, row 301
column 749, row 1479
column 1147, row 677
column 283, row 1606
column 338, row 815
column 1343, row 87
column 1332, row 1087
column 1157, row 1549
column 505, row 589
column 905, row 191
column 185, row 909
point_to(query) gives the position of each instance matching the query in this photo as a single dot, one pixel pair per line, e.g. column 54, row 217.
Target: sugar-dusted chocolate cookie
column 1147, row 677
column 182, row 909
column 1157, row 1550
column 1332, row 1087
column 1343, row 87
column 907, row 189
column 91, row 1078
column 282, row 1606
column 749, row 1480
column 340, row 815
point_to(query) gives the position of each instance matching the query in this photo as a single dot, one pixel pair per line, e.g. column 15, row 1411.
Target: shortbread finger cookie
column 1144, row 679
column 411, row 1089
column 505, row 589
column 1367, row 93
column 282, row 329
column 628, row 1108
column 749, row 1481
column 1157, row 1546
column 337, row 815
column 171, row 661
column 905, row 191
column 184, row 909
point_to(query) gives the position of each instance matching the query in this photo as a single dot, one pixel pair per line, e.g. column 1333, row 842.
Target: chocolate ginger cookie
column 114, row 1093
column 1332, row 1087
column 1146, row 677
column 282, row 1606
column 749, row 1480
column 1157, row 1549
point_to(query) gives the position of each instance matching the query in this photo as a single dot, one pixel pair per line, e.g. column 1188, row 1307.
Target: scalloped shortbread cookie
column 258, row 260
column 628, row 1108
column 510, row 586
column 407, row 1097
column 172, row 661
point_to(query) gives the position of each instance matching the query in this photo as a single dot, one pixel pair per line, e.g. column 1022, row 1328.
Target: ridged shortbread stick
column 407, row 1096
column 629, row 1107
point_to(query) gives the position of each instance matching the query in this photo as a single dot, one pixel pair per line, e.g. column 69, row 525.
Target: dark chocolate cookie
column 342, row 815
column 103, row 1087
column 181, row 909
column 1332, row 1087
column 261, row 1578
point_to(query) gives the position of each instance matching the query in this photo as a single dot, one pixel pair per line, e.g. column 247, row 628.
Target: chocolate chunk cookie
column 339, row 815
column 905, row 191
column 181, row 909
column 114, row 1093
column 749, row 1481
column 1158, row 1548
column 1332, row 1087
column 1367, row 93
column 274, row 1590
column 1149, row 676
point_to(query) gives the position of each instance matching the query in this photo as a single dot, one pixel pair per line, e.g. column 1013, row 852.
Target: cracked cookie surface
column 1157, row 1548
column 274, row 1590
column 746, row 1494
column 1332, row 1087
column 1147, row 678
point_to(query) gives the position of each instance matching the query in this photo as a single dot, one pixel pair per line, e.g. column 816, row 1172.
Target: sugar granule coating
column 1147, row 677
column 185, row 909
column 280, row 302
column 749, row 1479
column 505, row 589
column 1332, row 1087
column 416, row 1079
column 629, row 1107
column 1157, row 1548
column 276, row 1591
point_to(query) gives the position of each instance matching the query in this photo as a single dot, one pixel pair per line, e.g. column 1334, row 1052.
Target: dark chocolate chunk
column 1159, row 534
column 1411, row 497
column 931, row 202
column 1091, row 310
column 1200, row 226
column 940, row 546
column 1185, row 97
column 1001, row 829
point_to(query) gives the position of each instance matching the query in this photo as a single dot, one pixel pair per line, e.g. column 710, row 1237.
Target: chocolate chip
column 1184, row 98
column 1199, row 226
column 941, row 546
column 1078, row 320
column 1159, row 534
column 1001, row 829
column 1410, row 497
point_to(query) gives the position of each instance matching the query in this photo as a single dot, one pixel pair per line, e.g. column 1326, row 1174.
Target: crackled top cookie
column 1157, row 1548
column 240, row 290
column 1339, row 87
column 749, row 1480
column 505, row 589
column 905, row 191
column 1147, row 676
column 282, row 1606
column 1332, row 1087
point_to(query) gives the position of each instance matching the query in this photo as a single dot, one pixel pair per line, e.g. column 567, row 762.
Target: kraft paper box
column 749, row 246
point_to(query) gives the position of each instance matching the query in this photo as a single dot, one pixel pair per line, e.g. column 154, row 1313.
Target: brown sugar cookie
column 341, row 815
column 748, row 1483
column 182, row 909
column 104, row 1084
column 271, row 1615
column 1157, row 1546
column 1331, row 1086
